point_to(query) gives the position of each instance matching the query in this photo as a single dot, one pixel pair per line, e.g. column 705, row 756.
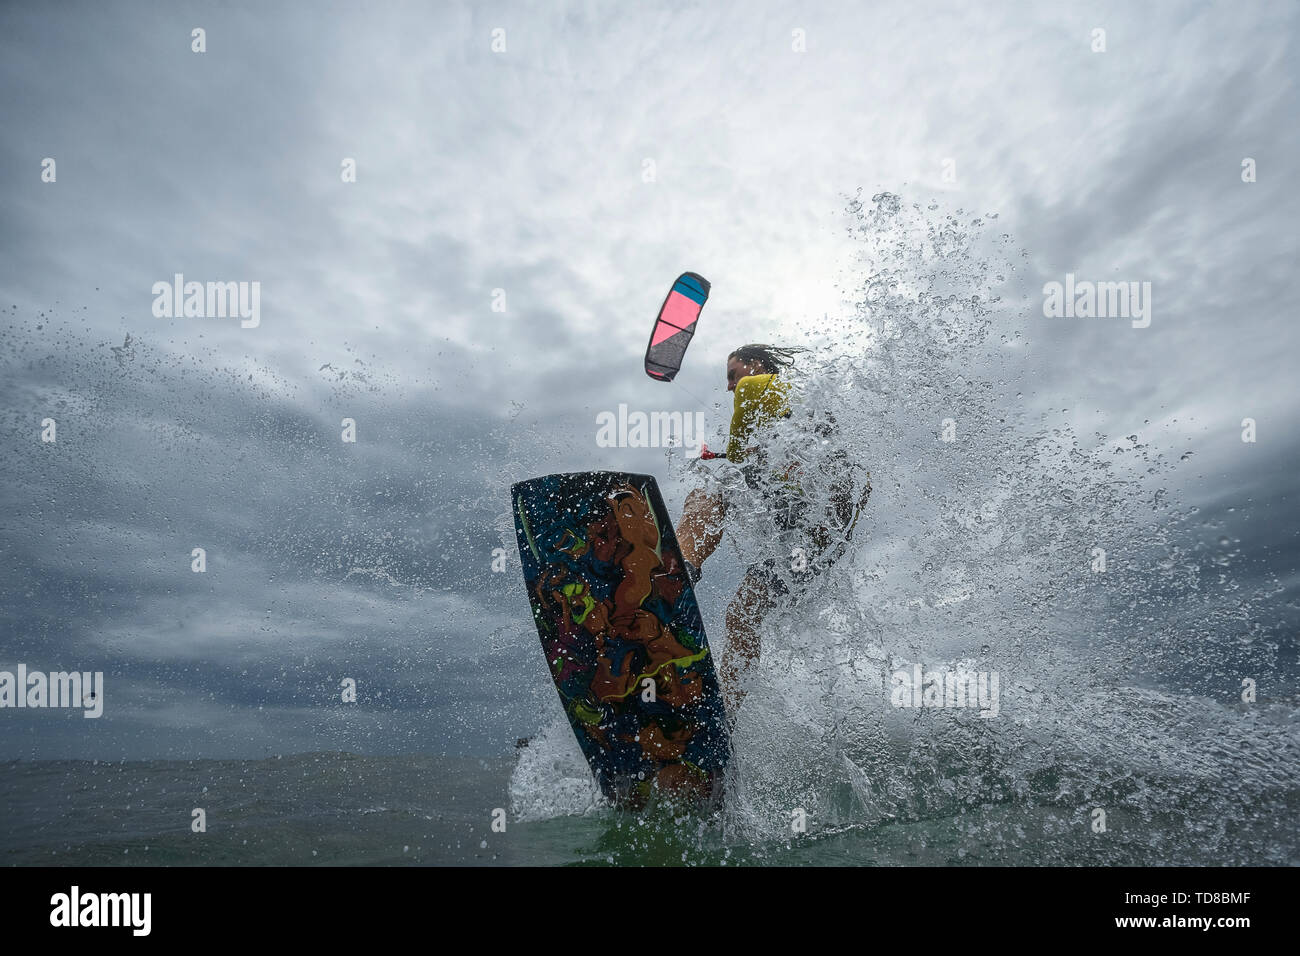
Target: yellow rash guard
column 759, row 399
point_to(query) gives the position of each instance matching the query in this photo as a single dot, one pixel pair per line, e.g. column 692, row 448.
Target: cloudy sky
column 563, row 162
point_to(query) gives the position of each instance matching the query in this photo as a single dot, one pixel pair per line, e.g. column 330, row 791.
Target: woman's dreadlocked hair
column 771, row 358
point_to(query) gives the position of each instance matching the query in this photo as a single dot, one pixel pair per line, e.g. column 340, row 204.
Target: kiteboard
column 622, row 634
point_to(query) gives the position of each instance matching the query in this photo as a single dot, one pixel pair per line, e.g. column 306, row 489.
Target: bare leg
column 700, row 529
column 745, row 614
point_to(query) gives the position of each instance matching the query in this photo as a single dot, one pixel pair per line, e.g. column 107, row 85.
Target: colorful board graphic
column 622, row 633
column 675, row 326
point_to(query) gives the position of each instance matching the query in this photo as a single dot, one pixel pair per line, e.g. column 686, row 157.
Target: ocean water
column 305, row 809
column 335, row 809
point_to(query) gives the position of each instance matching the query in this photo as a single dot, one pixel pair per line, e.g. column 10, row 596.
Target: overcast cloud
column 608, row 148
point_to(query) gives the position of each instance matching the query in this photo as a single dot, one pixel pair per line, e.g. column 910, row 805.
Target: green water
column 340, row 809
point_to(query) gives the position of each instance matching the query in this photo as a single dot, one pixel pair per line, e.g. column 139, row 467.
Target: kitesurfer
column 762, row 396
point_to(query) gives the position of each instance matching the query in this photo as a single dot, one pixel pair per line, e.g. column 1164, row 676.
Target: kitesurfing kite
column 675, row 326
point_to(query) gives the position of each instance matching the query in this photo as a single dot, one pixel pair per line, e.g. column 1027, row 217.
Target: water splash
column 997, row 540
column 983, row 547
